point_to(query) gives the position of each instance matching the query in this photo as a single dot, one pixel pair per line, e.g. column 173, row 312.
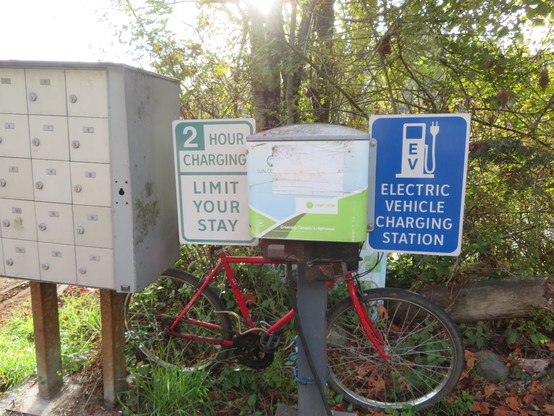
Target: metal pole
column 312, row 306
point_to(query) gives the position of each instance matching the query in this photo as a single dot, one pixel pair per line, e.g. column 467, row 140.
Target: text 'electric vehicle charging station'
column 420, row 162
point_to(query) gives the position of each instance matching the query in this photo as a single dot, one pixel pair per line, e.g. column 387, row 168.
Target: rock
column 491, row 366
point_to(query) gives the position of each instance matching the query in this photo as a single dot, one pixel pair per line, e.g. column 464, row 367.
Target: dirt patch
column 13, row 293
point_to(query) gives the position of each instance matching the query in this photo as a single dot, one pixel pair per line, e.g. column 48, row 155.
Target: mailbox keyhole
column 121, row 191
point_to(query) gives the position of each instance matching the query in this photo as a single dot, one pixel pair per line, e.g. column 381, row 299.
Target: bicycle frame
column 225, row 263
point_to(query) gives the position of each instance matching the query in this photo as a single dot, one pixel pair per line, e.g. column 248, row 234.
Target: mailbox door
column 57, row 263
column 20, row 258
column 87, row 93
column 91, row 184
column 89, row 139
column 16, row 178
column 14, row 135
column 18, row 219
column 46, row 91
column 95, row 267
column 52, row 181
column 48, row 136
column 93, row 226
column 54, row 223
column 12, row 91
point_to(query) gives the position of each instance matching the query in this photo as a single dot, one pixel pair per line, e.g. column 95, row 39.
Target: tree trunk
column 266, row 34
column 494, row 299
column 321, row 91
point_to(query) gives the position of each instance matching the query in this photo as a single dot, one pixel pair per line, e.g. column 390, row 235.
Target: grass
column 79, row 314
column 161, row 391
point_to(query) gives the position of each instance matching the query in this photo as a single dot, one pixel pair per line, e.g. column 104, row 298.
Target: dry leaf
column 504, row 411
column 536, row 387
column 548, row 409
column 249, row 298
column 513, row 403
column 489, row 390
column 481, row 408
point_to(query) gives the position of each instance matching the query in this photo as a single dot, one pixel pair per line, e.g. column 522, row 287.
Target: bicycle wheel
column 150, row 312
column 426, row 349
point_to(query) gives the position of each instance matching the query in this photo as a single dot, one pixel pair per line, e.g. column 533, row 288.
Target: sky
column 60, row 30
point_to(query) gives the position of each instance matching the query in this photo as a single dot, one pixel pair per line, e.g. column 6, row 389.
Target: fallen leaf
column 513, row 403
column 470, row 363
column 504, row 411
column 249, row 298
column 536, row 387
column 548, row 409
column 481, row 408
column 489, row 390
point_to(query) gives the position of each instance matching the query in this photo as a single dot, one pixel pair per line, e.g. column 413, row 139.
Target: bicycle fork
column 374, row 336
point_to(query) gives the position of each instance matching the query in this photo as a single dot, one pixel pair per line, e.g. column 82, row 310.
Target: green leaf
column 511, row 336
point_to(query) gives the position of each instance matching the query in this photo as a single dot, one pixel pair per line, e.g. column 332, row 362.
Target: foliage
column 538, row 329
column 166, row 391
column 338, row 61
column 477, row 335
column 157, row 390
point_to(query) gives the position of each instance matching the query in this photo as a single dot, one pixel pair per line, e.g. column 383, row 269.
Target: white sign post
column 210, row 158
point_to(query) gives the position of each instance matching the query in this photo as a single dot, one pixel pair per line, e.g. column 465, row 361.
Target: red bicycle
column 386, row 347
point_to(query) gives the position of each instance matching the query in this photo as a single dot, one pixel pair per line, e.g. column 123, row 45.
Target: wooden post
column 44, row 299
column 113, row 345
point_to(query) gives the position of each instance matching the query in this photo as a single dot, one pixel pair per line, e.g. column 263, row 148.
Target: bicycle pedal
column 269, row 342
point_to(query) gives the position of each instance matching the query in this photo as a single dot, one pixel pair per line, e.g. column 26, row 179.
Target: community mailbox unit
column 86, row 179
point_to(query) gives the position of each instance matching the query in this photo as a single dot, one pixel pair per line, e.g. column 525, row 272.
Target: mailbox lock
column 9, row 262
column 80, row 229
column 42, row 226
column 75, row 144
column 6, row 223
column 77, row 188
column 3, row 182
column 45, row 266
column 39, row 185
column 73, row 98
column 36, row 141
column 33, row 96
column 83, row 270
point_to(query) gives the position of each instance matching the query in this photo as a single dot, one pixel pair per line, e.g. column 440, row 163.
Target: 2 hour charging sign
column 420, row 175
column 211, row 181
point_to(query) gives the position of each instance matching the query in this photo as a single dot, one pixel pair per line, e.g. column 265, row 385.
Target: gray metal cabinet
column 87, row 194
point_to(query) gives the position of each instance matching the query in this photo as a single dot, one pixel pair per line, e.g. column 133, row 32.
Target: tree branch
column 324, row 75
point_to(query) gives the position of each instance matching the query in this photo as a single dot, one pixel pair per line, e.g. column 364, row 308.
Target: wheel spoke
column 149, row 314
column 424, row 345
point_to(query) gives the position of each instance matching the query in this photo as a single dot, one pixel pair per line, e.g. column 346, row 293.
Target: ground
column 13, row 292
column 528, row 391
column 82, row 392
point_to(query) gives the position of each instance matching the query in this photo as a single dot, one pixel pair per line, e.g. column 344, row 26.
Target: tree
column 338, row 61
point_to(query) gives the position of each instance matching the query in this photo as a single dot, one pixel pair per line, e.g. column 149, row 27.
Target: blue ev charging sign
column 419, row 180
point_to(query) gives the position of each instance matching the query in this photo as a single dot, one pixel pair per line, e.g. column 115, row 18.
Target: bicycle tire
column 425, row 345
column 148, row 313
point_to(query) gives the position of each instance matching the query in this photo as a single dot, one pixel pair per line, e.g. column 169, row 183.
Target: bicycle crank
column 249, row 352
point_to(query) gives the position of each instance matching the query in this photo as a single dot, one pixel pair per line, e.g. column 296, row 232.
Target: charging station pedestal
column 307, row 198
column 317, row 264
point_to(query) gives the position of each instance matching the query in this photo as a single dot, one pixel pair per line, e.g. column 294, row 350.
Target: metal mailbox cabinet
column 86, row 174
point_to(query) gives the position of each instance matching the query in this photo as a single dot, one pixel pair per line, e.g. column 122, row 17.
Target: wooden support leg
column 113, row 345
column 44, row 301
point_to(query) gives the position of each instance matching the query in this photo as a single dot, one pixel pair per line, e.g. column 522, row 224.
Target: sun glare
column 262, row 5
